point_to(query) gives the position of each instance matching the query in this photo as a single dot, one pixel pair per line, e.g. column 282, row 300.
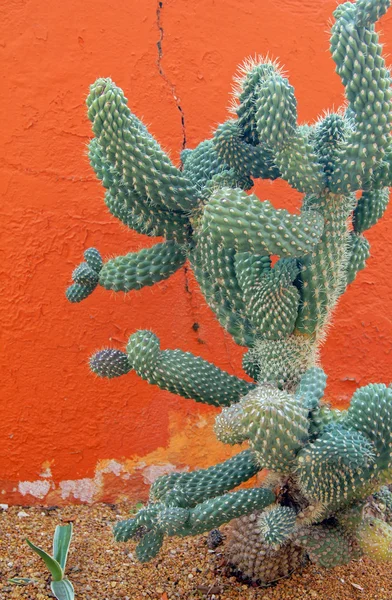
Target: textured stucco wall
column 64, row 435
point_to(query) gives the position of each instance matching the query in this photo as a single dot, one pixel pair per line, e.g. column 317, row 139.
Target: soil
column 102, row 569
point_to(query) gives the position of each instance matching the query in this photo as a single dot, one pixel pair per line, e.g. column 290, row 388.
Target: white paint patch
column 202, row 422
column 38, row 488
column 46, row 472
column 152, row 472
column 80, row 489
column 113, row 466
column 140, row 465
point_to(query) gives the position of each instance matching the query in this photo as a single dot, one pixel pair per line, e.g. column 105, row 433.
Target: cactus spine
column 324, row 462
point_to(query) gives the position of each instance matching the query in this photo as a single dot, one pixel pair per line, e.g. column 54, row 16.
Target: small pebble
column 22, row 514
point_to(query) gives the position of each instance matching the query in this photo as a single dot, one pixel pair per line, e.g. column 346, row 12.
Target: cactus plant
column 324, row 462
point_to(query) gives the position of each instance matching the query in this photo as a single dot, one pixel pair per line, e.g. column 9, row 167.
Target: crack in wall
column 163, row 74
column 189, row 295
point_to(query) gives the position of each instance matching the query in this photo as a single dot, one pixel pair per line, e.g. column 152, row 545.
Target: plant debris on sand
column 102, row 569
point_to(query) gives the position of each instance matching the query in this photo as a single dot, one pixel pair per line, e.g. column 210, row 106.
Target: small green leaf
column 21, row 580
column 61, row 542
column 63, row 590
column 51, row 563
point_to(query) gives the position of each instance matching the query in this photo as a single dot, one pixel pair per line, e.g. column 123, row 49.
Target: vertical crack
column 163, row 74
column 189, row 294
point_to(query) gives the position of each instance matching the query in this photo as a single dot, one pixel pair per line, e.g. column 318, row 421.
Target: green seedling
column 21, row 580
column 61, row 587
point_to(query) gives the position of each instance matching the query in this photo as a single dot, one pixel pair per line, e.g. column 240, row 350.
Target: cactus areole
column 324, row 464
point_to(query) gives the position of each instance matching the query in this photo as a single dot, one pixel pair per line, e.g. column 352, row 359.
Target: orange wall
column 65, row 435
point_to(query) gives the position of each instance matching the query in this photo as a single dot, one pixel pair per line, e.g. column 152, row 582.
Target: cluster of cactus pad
column 326, row 496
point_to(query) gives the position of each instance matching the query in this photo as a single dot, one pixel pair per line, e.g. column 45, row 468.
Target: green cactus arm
column 282, row 362
column 144, row 268
column 202, row 164
column 328, row 545
column 236, row 325
column 134, row 152
column 357, row 53
column 299, row 165
column 250, row 268
column 323, row 276
column 130, row 272
column 322, row 417
column 203, row 517
column 172, row 496
column 370, row 208
column 336, row 468
column 228, row 426
column 311, row 387
column 144, row 519
column 375, row 539
column 358, row 251
column 276, row 425
column 370, row 11
column 229, row 178
column 251, row 74
column 329, row 133
column 252, row 161
column 85, row 276
column 277, row 128
column 110, row 363
column 382, row 175
column 149, row 545
column 77, row 292
column 217, row 511
column 199, row 485
column 220, row 265
column 127, row 205
column 277, row 524
column 271, row 300
column 147, row 221
column 276, row 111
column 370, row 413
column 182, row 373
column 251, row 364
column 239, row 221
column 215, row 275
column 173, row 370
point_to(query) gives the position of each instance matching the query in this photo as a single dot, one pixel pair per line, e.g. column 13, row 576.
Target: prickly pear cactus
column 324, row 463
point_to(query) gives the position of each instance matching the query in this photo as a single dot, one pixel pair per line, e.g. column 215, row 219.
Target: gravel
column 101, row 569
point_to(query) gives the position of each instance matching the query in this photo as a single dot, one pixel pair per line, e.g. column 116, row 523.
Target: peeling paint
column 113, row 466
column 151, row 473
column 46, row 470
column 37, row 489
column 82, row 489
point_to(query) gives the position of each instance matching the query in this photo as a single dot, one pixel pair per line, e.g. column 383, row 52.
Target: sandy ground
column 101, row 569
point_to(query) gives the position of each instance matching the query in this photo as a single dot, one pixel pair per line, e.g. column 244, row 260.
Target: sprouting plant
column 61, row 587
